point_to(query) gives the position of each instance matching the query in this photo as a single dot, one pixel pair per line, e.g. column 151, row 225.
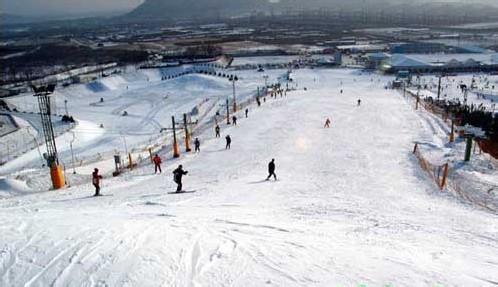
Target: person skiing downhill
column 96, row 177
column 217, row 131
column 247, row 112
column 327, row 123
column 197, row 144
column 157, row 163
column 234, row 120
column 229, row 141
column 271, row 170
column 359, row 102
column 177, row 177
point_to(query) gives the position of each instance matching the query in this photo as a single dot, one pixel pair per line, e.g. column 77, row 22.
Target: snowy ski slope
column 350, row 208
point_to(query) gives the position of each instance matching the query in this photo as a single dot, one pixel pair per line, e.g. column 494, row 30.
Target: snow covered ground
column 150, row 104
column 350, row 208
column 476, row 181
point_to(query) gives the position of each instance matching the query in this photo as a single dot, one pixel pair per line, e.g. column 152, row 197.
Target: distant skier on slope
column 157, row 163
column 197, row 144
column 359, row 102
column 96, row 177
column 271, row 170
column 234, row 120
column 177, row 177
column 229, row 141
column 217, row 131
column 327, row 123
column 247, row 112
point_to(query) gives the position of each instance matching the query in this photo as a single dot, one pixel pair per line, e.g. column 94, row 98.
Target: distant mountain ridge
column 195, row 9
column 8, row 19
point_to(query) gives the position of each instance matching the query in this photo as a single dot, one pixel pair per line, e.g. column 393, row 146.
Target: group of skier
column 178, row 173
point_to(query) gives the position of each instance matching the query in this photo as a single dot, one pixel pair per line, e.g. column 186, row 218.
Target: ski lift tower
column 42, row 93
column 233, row 79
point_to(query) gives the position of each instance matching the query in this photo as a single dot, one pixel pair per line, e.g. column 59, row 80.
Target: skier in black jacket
column 271, row 170
column 229, row 141
column 197, row 144
column 217, row 131
column 177, row 177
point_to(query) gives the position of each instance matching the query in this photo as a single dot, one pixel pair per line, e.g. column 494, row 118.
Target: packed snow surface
column 350, row 207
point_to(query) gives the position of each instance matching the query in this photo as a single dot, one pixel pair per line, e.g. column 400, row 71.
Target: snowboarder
column 157, row 163
column 217, row 131
column 96, row 177
column 327, row 123
column 247, row 112
column 271, row 170
column 197, row 144
column 177, row 177
column 229, row 141
column 359, row 102
column 234, row 120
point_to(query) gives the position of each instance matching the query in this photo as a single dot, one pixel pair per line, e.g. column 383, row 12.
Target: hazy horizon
column 98, row 7
column 63, row 7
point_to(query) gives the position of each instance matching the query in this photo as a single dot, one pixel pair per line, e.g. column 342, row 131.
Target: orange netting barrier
column 438, row 173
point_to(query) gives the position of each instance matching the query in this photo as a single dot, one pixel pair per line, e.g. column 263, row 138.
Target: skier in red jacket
column 157, row 164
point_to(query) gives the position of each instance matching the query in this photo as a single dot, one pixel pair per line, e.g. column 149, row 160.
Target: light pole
column 228, row 113
column 72, row 153
column 65, row 107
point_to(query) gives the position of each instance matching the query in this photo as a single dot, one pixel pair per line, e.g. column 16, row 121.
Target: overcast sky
column 58, row 7
column 47, row 7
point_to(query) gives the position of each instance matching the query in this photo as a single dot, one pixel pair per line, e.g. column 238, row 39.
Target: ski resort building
column 435, row 63
column 362, row 48
column 434, row 48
